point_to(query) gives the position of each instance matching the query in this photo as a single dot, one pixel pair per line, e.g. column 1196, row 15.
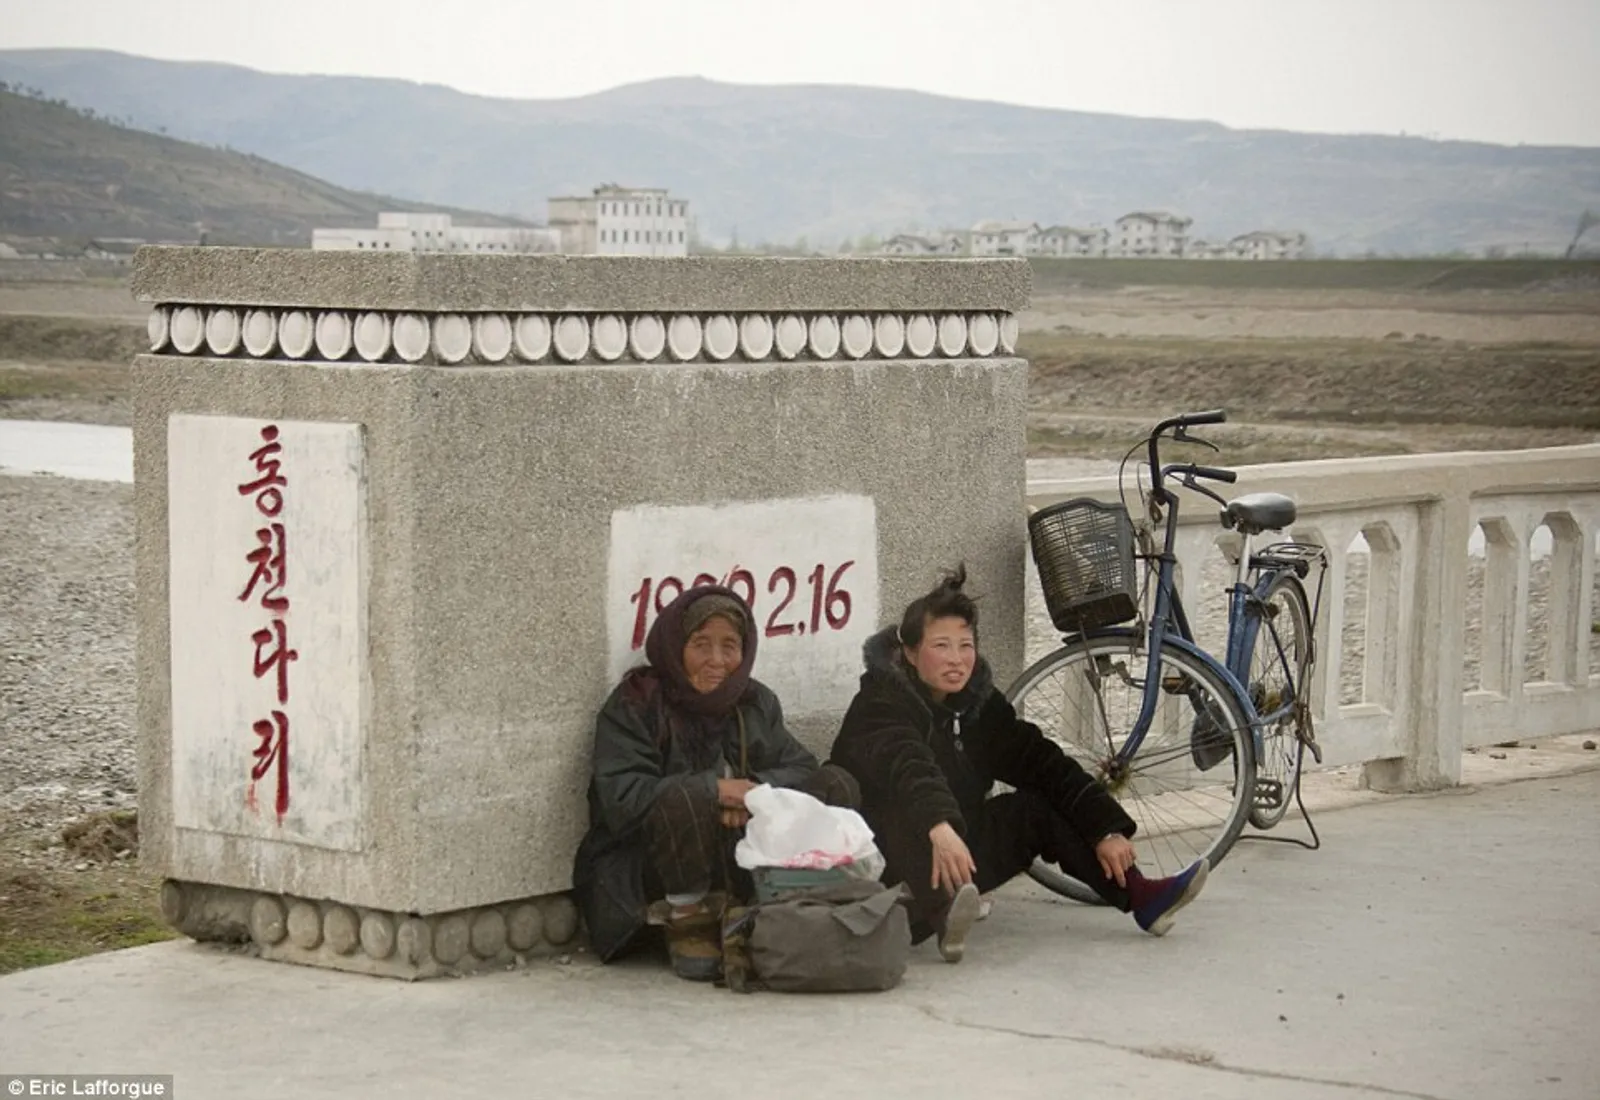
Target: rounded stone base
column 321, row 932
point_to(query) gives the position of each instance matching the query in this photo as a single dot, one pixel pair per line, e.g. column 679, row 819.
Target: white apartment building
column 998, row 238
column 1067, row 240
column 622, row 221
column 406, row 232
column 1150, row 233
column 1265, row 244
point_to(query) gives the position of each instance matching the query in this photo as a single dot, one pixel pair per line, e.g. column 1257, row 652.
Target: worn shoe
column 957, row 921
column 694, row 941
column 1156, row 901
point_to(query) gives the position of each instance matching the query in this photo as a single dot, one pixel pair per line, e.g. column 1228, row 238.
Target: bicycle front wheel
column 1186, row 783
column 1280, row 663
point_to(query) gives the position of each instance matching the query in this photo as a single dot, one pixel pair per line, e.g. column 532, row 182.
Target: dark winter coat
column 936, row 762
column 652, row 729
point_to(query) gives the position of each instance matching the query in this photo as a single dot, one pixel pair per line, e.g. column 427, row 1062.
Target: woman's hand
column 730, row 796
column 731, row 792
column 952, row 862
column 1116, row 855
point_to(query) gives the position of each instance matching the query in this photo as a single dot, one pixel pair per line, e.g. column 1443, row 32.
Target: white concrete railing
column 1442, row 616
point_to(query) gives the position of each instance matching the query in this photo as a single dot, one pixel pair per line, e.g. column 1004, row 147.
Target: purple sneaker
column 1159, row 899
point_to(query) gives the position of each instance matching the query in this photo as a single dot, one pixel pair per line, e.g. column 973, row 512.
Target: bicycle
column 1192, row 746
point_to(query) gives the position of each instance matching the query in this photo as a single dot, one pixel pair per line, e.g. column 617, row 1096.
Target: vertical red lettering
column 269, row 559
column 270, row 568
column 279, row 658
column 703, row 578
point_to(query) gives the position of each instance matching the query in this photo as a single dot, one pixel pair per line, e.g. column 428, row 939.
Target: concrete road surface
column 1437, row 946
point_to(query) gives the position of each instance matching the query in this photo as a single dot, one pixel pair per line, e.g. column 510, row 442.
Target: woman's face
column 946, row 656
column 712, row 654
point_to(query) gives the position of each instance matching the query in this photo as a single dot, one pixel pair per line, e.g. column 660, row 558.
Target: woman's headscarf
column 669, row 634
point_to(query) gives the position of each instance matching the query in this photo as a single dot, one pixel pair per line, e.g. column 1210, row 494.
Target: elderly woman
column 927, row 736
column 677, row 746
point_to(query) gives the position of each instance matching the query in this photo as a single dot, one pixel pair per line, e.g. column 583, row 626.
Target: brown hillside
column 72, row 177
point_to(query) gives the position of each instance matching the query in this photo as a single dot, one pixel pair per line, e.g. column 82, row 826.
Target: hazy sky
column 1494, row 70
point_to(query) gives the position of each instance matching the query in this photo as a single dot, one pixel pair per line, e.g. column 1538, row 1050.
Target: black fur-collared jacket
column 936, row 762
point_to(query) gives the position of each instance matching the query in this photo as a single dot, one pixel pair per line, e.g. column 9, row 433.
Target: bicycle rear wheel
column 1187, row 785
column 1280, row 663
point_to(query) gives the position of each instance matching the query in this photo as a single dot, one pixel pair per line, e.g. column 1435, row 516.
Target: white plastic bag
column 792, row 829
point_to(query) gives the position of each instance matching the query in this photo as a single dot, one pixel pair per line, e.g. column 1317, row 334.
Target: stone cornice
column 441, row 283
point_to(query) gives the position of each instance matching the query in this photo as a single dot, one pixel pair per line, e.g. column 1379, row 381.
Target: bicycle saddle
column 1254, row 513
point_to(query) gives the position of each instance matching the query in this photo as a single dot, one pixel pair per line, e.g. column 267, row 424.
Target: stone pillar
column 404, row 519
column 1431, row 710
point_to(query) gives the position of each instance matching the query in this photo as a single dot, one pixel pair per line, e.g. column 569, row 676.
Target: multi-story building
column 622, row 221
column 998, row 238
column 1150, row 233
column 1066, row 240
column 1265, row 244
column 405, row 232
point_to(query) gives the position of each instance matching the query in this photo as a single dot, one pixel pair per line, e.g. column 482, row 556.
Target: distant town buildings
column 117, row 250
column 403, row 232
column 945, row 244
column 614, row 221
column 622, row 221
column 1266, row 245
column 1142, row 233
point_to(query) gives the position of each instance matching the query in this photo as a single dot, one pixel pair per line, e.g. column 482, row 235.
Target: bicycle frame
column 1170, row 626
column 1245, row 622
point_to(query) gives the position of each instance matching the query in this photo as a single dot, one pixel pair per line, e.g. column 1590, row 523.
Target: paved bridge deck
column 1442, row 945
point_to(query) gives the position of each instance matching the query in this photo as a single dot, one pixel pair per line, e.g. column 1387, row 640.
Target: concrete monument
column 404, row 519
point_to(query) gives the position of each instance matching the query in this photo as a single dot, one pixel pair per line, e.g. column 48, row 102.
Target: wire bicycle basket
column 1084, row 552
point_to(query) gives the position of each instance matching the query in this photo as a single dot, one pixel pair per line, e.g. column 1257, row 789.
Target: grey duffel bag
column 846, row 937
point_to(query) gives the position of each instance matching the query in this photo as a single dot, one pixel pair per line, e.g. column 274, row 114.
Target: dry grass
column 79, row 894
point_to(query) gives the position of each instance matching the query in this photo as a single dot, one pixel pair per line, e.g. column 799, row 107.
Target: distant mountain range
column 72, row 178
column 831, row 162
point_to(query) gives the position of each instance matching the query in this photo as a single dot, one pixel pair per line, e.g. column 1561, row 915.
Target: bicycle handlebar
column 1213, row 473
column 1178, row 424
column 1193, row 420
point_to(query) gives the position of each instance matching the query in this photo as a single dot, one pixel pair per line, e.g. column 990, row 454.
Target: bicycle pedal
column 1268, row 794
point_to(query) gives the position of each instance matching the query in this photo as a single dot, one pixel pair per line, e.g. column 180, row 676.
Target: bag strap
column 737, row 920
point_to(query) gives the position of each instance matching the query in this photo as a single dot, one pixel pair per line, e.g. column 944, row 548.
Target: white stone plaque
column 267, row 531
column 808, row 568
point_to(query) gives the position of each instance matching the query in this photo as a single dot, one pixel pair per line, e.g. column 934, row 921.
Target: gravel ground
column 66, row 648
column 66, row 653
